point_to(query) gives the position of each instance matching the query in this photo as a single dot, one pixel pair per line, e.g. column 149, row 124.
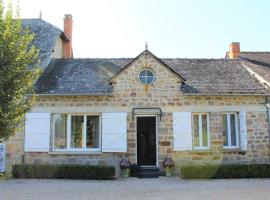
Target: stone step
column 150, row 168
column 148, row 172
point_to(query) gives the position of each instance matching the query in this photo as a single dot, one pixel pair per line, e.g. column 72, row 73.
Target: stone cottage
column 97, row 111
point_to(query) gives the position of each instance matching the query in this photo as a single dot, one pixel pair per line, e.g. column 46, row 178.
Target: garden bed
column 32, row 171
column 225, row 171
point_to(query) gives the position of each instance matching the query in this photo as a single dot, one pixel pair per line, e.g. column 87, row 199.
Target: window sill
column 233, row 150
column 202, row 150
column 74, row 152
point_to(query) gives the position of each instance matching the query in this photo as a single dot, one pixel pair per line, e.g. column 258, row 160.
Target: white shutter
column 37, row 132
column 182, row 131
column 2, row 157
column 114, row 132
column 243, row 130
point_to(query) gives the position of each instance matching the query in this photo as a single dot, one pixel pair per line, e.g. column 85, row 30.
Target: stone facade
column 58, row 49
column 258, row 143
column 165, row 93
column 14, row 150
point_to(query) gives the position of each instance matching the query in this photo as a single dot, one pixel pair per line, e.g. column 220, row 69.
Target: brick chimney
column 67, row 45
column 234, row 50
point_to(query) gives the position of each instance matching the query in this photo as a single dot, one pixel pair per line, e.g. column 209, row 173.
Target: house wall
column 58, row 49
column 165, row 93
column 14, row 150
column 257, row 127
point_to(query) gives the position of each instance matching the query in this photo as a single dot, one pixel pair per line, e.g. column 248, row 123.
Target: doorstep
column 148, row 172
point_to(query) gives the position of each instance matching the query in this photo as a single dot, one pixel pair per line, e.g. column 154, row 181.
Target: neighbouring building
column 97, row 111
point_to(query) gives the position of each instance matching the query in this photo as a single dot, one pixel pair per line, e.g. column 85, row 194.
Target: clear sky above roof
column 172, row 28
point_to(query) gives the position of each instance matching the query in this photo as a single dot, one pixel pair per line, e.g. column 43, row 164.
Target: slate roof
column 45, row 39
column 262, row 58
column 92, row 76
column 259, row 62
column 79, row 76
column 216, row 77
column 203, row 76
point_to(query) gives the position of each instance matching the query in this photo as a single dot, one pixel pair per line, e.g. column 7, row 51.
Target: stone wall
column 257, row 150
column 165, row 93
column 14, row 150
column 58, row 49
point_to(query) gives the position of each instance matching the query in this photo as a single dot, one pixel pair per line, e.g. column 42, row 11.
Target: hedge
column 50, row 171
column 225, row 171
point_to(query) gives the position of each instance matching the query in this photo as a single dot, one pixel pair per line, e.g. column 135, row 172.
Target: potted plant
column 125, row 167
column 168, row 166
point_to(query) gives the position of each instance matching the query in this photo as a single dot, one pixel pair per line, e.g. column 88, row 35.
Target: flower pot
column 168, row 171
column 125, row 172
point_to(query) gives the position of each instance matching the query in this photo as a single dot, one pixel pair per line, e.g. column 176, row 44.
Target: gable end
column 145, row 52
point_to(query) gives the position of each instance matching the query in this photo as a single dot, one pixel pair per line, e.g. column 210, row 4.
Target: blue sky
column 172, row 28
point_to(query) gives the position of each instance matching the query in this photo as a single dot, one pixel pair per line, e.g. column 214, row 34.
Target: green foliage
column 4, row 176
column 225, row 171
column 97, row 172
column 198, row 171
column 33, row 171
column 19, row 68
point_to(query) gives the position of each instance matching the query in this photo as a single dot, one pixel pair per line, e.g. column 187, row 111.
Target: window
column 230, row 130
column 146, row 76
column 76, row 132
column 92, row 132
column 60, row 131
column 201, row 132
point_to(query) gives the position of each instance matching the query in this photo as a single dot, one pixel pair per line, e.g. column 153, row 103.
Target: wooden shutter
column 182, row 131
column 2, row 157
column 243, row 130
column 114, row 132
column 37, row 132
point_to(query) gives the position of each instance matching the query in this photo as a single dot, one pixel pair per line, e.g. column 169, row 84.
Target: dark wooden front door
column 146, row 141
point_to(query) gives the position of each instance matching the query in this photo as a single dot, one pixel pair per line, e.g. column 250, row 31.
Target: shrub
column 4, row 176
column 225, row 171
column 97, row 172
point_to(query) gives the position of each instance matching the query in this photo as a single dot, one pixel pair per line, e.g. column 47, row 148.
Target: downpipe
column 267, row 105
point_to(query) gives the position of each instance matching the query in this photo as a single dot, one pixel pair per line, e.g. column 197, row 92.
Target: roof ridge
column 255, row 52
column 91, row 59
column 211, row 59
column 126, row 58
column 43, row 21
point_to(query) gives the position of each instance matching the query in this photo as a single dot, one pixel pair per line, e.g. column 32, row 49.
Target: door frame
column 157, row 164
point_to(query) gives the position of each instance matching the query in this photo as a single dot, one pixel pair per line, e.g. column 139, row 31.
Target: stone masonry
column 165, row 93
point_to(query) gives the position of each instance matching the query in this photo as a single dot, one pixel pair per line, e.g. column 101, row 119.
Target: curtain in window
column 92, row 132
column 60, row 131
column 76, row 131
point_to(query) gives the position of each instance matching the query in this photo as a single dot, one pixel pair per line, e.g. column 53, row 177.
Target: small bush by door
column 97, row 172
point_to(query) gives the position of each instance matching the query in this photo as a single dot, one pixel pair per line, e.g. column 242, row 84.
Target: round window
column 146, row 76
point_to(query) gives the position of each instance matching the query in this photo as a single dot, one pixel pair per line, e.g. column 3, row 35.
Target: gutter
column 267, row 105
column 185, row 94
column 79, row 94
column 219, row 94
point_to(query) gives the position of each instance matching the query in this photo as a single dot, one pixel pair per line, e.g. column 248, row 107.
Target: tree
column 19, row 68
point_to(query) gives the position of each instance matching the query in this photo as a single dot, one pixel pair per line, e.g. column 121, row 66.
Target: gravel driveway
column 133, row 188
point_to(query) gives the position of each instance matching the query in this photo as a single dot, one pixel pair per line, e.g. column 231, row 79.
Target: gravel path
column 133, row 188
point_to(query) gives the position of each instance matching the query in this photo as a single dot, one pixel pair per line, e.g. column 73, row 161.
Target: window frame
column 146, row 69
column 236, row 114
column 200, row 147
column 83, row 149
